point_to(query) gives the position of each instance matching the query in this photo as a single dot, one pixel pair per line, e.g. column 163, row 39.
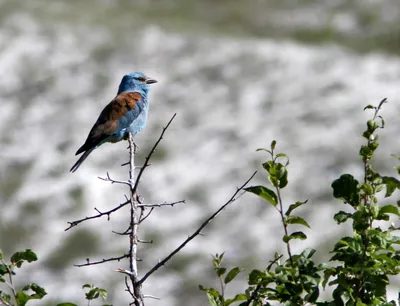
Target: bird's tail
column 81, row 160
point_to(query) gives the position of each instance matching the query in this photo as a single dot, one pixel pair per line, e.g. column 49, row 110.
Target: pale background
column 238, row 74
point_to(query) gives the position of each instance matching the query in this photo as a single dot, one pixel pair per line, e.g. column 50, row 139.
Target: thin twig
column 147, row 296
column 145, row 241
column 10, row 274
column 280, row 209
column 100, row 214
column 92, row 263
column 128, row 288
column 109, row 179
column 146, row 162
column 146, row 216
column 234, row 197
column 162, row 204
column 4, row 302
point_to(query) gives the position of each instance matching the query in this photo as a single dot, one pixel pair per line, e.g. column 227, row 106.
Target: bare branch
column 100, row 214
column 126, row 233
column 120, row 270
column 92, row 263
column 146, row 216
column 145, row 241
column 234, row 197
column 146, row 162
column 128, row 288
column 151, row 297
column 162, row 204
column 109, row 179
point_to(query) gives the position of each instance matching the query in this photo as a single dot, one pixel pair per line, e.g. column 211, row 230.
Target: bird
column 126, row 113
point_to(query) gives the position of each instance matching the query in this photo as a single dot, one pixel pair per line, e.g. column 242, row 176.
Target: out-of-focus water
column 232, row 95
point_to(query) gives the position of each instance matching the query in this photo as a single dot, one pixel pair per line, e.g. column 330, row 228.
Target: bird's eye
column 141, row 79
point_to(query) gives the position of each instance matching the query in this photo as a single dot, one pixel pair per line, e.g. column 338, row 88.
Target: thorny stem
column 92, row 263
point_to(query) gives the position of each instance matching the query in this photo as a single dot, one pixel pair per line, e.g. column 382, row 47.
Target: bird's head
column 135, row 81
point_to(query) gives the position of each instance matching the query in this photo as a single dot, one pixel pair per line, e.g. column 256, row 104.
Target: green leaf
column 389, row 209
column 217, row 259
column 22, row 298
column 367, row 189
column 296, row 220
column 294, row 206
column 313, row 295
column 3, row 269
column 86, row 286
column 308, row 252
column 214, row 297
column 92, row 294
column 261, row 149
column 279, row 155
column 323, row 267
column 103, row 294
column 238, row 297
column 273, row 144
column 345, row 188
column 220, row 271
column 19, row 257
column 342, row 216
column 67, row 304
column 255, row 276
column 369, row 107
column 1, row 254
column 283, row 181
column 5, row 297
column 277, row 174
column 391, row 185
column 231, row 275
column 265, row 193
column 295, row 235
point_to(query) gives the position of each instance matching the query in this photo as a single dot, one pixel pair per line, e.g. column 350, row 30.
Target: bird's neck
column 142, row 90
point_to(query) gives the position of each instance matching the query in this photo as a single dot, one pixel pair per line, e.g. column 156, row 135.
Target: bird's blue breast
column 140, row 122
column 133, row 121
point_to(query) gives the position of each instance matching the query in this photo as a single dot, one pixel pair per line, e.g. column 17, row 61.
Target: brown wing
column 108, row 121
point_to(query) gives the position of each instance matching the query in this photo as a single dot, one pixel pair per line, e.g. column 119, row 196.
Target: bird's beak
column 151, row 81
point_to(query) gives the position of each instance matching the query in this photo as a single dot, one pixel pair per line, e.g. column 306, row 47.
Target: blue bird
column 126, row 113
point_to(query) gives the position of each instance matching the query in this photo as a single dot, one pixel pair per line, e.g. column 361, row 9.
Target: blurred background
column 238, row 74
